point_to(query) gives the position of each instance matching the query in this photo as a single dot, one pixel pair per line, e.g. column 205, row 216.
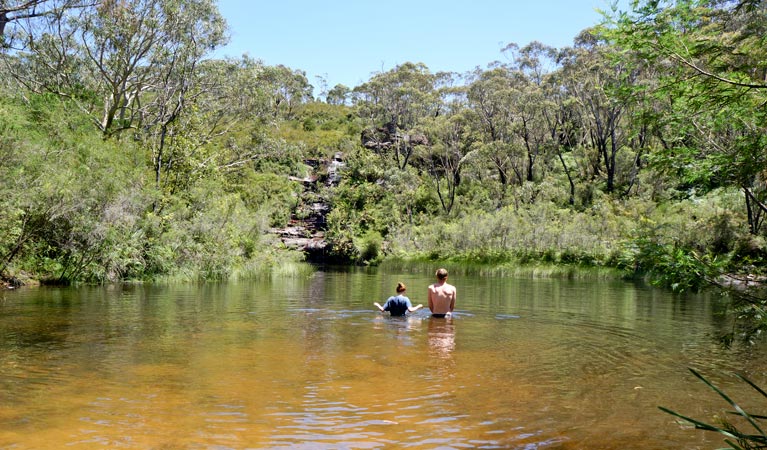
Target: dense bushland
column 127, row 153
column 76, row 207
column 628, row 150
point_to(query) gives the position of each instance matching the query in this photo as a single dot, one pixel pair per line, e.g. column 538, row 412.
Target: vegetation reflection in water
column 297, row 363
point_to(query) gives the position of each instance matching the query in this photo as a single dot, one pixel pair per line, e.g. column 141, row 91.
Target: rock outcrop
column 383, row 138
column 306, row 229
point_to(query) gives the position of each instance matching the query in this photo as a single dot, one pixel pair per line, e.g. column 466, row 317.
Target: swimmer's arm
column 379, row 306
column 415, row 308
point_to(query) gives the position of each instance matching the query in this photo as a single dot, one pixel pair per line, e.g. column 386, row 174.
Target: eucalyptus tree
column 531, row 64
column 237, row 88
column 564, row 124
column 286, row 88
column 397, row 102
column 18, row 18
column 452, row 140
column 133, row 65
column 239, row 105
column 123, row 62
column 174, row 116
column 597, row 82
column 564, row 128
column 510, row 106
column 490, row 98
column 714, row 83
column 338, row 95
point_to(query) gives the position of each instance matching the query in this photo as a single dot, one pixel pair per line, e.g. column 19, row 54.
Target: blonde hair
column 401, row 287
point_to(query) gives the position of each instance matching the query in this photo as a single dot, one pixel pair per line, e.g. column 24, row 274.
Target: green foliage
column 713, row 126
column 286, row 89
column 540, row 231
column 358, row 210
column 684, row 245
column 583, row 156
column 126, row 65
column 273, row 195
column 639, row 237
column 338, row 95
column 373, row 199
column 321, row 129
column 64, row 186
column 369, row 247
column 271, row 155
column 678, row 268
column 81, row 209
column 751, row 253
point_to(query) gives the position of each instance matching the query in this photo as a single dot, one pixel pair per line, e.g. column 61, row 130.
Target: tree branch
column 701, row 71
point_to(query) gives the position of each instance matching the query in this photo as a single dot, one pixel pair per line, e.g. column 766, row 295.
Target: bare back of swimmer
column 441, row 295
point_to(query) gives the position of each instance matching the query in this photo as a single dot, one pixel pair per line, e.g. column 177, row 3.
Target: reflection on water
column 399, row 330
column 309, row 363
column 441, row 337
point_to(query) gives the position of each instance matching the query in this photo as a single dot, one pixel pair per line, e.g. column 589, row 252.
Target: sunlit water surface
column 310, row 364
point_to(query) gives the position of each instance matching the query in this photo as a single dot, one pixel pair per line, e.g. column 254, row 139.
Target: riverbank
column 511, row 268
column 15, row 282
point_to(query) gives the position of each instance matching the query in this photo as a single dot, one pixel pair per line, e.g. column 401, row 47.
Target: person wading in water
column 398, row 305
column 441, row 296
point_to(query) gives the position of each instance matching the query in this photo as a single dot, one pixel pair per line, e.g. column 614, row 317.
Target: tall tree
column 120, row 59
column 17, row 17
column 286, row 88
column 715, row 85
column 490, row 96
column 563, row 122
column 451, row 146
column 533, row 64
column 398, row 101
column 597, row 81
column 338, row 95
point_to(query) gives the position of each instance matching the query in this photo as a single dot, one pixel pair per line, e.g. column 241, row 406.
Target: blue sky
column 346, row 42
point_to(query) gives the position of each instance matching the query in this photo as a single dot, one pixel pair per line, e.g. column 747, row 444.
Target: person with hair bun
column 398, row 305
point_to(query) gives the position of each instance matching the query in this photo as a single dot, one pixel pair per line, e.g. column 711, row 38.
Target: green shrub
column 275, row 195
column 369, row 247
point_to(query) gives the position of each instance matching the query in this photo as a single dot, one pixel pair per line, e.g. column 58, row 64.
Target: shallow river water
column 309, row 363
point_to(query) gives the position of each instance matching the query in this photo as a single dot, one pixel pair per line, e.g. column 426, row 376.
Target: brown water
column 309, row 364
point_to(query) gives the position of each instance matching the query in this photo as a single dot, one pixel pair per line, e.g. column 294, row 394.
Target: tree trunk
column 610, row 162
column 407, row 152
column 569, row 177
column 3, row 21
column 755, row 210
column 530, row 162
